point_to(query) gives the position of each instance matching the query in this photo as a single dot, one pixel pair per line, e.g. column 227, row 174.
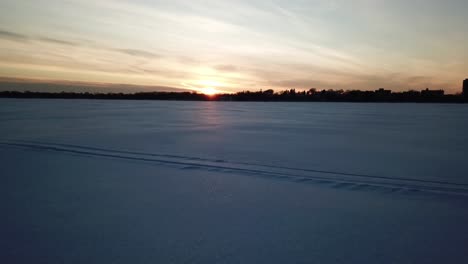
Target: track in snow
column 340, row 180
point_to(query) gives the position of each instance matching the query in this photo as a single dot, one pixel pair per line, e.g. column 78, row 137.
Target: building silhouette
column 465, row 88
column 432, row 93
column 382, row 91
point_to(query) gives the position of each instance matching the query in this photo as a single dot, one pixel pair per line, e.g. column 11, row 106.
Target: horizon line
column 162, row 88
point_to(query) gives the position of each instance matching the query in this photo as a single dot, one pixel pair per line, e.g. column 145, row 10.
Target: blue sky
column 238, row 45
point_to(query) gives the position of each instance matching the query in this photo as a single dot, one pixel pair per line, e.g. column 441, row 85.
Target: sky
column 230, row 46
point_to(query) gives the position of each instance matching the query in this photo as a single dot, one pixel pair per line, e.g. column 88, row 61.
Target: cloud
column 20, row 84
column 138, row 53
column 57, row 41
column 21, row 37
column 226, row 68
column 187, row 60
column 13, row 36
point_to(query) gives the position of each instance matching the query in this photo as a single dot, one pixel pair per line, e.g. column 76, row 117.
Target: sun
column 205, row 86
column 209, row 91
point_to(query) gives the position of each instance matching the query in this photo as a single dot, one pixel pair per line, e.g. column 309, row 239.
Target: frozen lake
column 230, row 182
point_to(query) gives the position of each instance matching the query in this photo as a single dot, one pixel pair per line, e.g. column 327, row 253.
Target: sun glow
column 208, row 87
column 209, row 91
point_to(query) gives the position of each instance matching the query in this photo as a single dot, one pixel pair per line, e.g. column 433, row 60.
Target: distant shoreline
column 267, row 96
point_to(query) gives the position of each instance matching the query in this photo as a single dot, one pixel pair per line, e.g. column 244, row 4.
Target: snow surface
column 89, row 181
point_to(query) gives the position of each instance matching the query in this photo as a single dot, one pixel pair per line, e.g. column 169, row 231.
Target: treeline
column 312, row 95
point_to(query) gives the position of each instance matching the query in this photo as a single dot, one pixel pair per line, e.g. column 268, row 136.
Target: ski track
column 337, row 180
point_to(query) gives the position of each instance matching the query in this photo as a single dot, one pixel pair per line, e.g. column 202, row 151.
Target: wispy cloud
column 12, row 36
column 21, row 84
column 226, row 68
column 23, row 38
column 139, row 53
column 57, row 41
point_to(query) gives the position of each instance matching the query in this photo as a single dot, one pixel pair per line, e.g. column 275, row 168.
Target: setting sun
column 209, row 90
column 208, row 87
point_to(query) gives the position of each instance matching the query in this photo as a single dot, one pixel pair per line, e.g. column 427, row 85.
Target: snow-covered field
column 86, row 181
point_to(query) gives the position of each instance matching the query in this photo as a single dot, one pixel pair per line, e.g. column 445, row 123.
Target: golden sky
column 234, row 45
